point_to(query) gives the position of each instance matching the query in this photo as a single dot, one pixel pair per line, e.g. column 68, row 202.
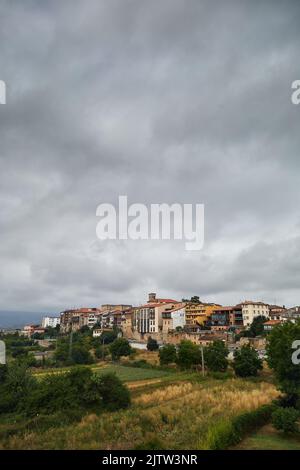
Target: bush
column 285, row 419
column 167, row 354
column 120, row 347
column 246, row 362
column 114, row 393
column 152, row 344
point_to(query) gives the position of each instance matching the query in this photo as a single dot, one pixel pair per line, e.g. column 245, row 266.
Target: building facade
column 251, row 310
column 50, row 322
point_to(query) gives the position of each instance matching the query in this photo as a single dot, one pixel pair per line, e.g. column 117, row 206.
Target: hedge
column 228, row 433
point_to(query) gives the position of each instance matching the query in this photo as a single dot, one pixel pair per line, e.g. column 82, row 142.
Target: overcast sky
column 163, row 101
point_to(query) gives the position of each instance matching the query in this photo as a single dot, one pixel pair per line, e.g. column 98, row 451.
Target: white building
column 173, row 318
column 251, row 310
column 50, row 322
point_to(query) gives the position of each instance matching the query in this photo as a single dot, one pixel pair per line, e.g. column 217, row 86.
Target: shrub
column 167, row 354
column 246, row 362
column 285, row 419
column 114, row 393
column 152, row 344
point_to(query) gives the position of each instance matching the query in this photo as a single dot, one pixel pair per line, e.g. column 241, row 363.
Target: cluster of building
column 169, row 320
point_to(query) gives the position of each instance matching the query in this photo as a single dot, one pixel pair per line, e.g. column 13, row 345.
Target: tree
column 279, row 352
column 256, row 327
column 194, row 299
column 101, row 351
column 246, row 362
column 108, row 337
column 114, row 393
column 3, row 373
column 120, row 347
column 152, row 344
column 188, row 355
column 81, row 355
column 167, row 354
column 16, row 385
column 285, row 419
column 215, row 356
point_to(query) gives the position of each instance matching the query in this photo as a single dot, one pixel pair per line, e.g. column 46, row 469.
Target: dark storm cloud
column 165, row 101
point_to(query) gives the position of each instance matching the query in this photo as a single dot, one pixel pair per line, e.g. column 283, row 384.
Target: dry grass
column 175, row 417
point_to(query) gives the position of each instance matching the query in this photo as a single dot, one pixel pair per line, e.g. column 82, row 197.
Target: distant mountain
column 17, row 319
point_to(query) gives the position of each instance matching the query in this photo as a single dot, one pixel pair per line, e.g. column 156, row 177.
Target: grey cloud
column 165, row 102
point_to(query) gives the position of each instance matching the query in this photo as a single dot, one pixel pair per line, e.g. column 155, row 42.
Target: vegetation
column 216, row 356
column 285, row 419
column 120, row 347
column 152, row 344
column 167, row 354
column 246, row 362
column 170, row 416
column 188, row 354
column 227, row 433
column 256, row 327
column 268, row 438
column 78, row 389
column 280, row 351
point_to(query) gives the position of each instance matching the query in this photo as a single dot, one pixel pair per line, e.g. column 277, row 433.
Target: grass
column 268, row 438
column 125, row 373
column 165, row 415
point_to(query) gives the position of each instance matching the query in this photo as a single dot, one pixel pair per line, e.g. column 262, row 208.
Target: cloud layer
column 164, row 101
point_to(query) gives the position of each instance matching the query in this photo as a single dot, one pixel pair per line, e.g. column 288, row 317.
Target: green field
column 267, row 438
column 128, row 374
column 125, row 373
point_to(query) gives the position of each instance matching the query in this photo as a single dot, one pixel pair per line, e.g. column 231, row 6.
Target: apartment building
column 276, row 311
column 50, row 322
column 173, row 318
column 251, row 310
column 74, row 319
column 199, row 313
column 148, row 318
column 29, row 330
column 220, row 318
column 291, row 314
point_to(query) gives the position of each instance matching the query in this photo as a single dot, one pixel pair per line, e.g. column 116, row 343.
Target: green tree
column 256, row 327
column 101, row 351
column 152, row 344
column 279, row 352
column 16, row 386
column 108, row 337
column 167, row 354
column 120, row 347
column 246, row 362
column 3, row 373
column 81, row 355
column 216, row 356
column 189, row 354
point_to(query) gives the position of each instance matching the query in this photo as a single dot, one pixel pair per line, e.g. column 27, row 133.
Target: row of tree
column 215, row 357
